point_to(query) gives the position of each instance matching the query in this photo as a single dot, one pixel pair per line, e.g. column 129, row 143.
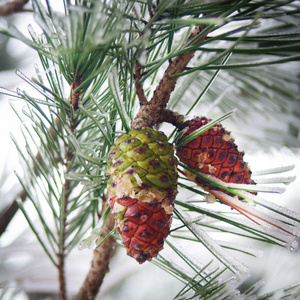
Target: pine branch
column 67, row 189
column 99, row 109
column 76, row 93
column 152, row 114
column 100, row 262
column 12, row 7
column 8, row 213
column 138, row 85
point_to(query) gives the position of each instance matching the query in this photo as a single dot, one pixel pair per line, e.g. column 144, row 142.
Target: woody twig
column 11, row 7
column 100, row 261
column 153, row 113
column 138, row 86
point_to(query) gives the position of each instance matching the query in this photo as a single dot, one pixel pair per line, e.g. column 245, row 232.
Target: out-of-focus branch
column 11, row 7
column 9, row 212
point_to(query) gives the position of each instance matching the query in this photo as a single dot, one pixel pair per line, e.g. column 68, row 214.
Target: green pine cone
column 142, row 165
column 142, row 185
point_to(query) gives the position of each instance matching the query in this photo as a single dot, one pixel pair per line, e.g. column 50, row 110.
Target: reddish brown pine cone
column 214, row 152
column 144, row 226
column 142, row 185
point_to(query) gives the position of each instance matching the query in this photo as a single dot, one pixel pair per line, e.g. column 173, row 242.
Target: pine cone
column 214, row 152
column 142, row 185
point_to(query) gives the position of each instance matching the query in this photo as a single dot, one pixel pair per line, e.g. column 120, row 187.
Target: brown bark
column 100, row 262
column 170, row 116
column 61, row 277
column 153, row 113
column 138, row 86
column 76, row 93
column 11, row 7
column 9, row 212
column 61, row 255
column 166, row 86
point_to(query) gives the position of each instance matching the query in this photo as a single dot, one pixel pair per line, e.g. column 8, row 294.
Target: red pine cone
column 145, row 227
column 214, row 152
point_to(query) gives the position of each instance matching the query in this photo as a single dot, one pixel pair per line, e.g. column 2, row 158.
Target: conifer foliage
column 108, row 151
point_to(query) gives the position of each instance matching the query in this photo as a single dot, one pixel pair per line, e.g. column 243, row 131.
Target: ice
column 32, row 33
column 283, row 239
column 293, row 246
column 254, row 288
column 256, row 187
column 282, row 179
column 90, row 241
column 222, row 255
column 229, row 290
column 276, row 211
column 251, row 187
column 286, row 214
column 8, row 92
column 179, row 269
column 249, row 227
column 279, row 294
column 282, row 214
column 183, row 252
column 199, row 218
column 250, row 250
column 273, row 170
column 254, row 213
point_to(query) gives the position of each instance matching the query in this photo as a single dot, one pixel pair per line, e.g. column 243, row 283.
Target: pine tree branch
column 9, row 212
column 166, row 86
column 151, row 114
column 170, row 116
column 61, row 254
column 76, row 93
column 67, row 189
column 138, row 85
column 137, row 67
column 12, row 7
column 100, row 261
column 61, row 277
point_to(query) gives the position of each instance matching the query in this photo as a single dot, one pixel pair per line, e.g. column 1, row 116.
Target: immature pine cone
column 142, row 185
column 214, row 152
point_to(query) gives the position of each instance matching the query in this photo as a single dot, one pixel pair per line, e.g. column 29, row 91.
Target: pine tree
column 109, row 66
